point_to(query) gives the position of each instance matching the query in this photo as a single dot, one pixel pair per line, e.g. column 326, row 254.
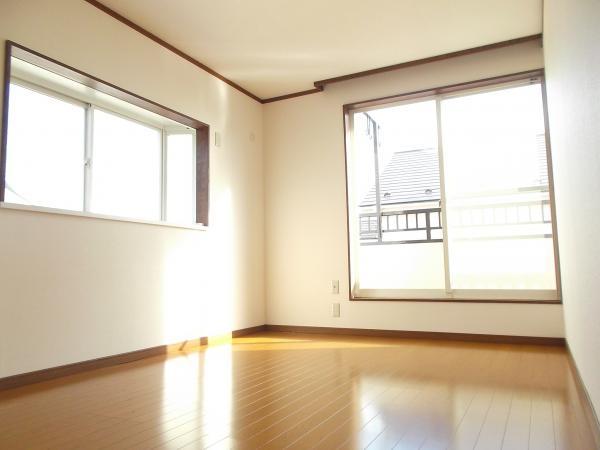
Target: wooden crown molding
column 319, row 85
column 170, row 47
column 418, row 62
column 292, row 95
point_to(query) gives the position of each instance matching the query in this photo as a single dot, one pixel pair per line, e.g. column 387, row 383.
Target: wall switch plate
column 335, row 286
column 335, row 310
column 217, row 139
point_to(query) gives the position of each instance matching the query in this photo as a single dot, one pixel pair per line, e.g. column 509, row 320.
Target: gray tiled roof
column 409, row 177
column 413, row 176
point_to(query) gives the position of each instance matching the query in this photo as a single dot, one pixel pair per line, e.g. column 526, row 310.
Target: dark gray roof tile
column 409, row 177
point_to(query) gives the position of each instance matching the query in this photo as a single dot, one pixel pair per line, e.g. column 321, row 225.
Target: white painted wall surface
column 572, row 53
column 74, row 288
column 305, row 211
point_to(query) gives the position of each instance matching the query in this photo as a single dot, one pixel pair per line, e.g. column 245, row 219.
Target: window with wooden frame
column 72, row 142
column 450, row 194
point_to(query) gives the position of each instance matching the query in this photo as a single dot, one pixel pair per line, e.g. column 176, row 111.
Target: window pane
column 181, row 179
column 126, row 168
column 395, row 184
column 44, row 165
column 499, row 226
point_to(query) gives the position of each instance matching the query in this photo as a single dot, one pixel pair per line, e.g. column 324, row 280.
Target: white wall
column 571, row 50
column 305, row 212
column 75, row 288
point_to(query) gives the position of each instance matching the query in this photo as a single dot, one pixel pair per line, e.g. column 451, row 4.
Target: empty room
column 277, row 224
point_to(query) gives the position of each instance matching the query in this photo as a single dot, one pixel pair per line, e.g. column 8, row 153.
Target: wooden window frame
column 351, row 108
column 202, row 130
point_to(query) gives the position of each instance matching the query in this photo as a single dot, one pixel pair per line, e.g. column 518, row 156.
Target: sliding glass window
column 449, row 195
column 46, row 138
column 73, row 148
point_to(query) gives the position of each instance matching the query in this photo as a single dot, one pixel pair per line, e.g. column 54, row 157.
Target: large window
column 70, row 147
column 449, row 195
column 46, row 137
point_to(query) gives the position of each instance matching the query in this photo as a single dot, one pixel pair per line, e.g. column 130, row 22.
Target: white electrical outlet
column 335, row 310
column 335, row 286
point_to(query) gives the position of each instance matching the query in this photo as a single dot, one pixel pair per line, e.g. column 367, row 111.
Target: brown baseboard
column 98, row 363
column 226, row 338
column 590, row 416
column 250, row 330
column 489, row 338
column 84, row 366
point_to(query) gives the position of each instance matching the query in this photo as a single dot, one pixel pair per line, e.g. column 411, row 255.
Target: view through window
column 71, row 147
column 449, row 197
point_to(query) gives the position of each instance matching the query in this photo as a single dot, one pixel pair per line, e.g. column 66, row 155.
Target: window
column 124, row 167
column 55, row 147
column 180, row 178
column 449, row 194
column 70, row 147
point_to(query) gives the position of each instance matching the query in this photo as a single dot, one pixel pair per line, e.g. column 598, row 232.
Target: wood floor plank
column 287, row 390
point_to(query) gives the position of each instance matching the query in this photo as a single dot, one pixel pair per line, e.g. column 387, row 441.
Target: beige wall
column 571, row 50
column 305, row 218
column 75, row 288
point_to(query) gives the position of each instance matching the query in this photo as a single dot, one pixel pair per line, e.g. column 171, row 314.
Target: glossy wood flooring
column 277, row 390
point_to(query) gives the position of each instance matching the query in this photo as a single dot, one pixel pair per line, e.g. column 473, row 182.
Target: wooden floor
column 277, row 390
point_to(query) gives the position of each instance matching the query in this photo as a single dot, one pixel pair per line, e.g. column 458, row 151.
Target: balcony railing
column 418, row 226
column 421, row 224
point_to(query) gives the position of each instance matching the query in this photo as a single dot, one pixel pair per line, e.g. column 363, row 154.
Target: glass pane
column 44, row 165
column 181, row 179
column 496, row 181
column 395, row 184
column 126, row 168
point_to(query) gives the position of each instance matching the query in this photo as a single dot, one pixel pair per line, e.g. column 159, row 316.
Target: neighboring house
column 410, row 177
column 409, row 199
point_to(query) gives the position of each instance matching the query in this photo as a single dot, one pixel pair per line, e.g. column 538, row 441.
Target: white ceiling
column 275, row 47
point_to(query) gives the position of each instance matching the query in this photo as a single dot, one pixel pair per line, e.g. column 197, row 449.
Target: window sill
column 538, row 296
column 67, row 212
column 458, row 300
